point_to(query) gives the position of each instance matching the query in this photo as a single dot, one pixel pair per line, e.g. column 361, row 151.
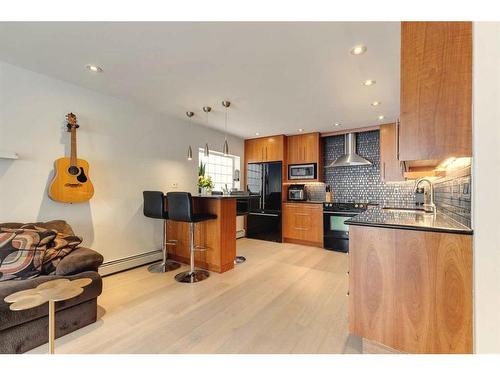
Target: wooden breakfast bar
column 218, row 235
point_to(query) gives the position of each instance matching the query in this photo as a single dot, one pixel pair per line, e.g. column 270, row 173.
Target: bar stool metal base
column 163, row 267
column 191, row 277
column 239, row 259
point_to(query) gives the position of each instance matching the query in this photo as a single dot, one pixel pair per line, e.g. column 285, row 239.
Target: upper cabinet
column 303, row 148
column 391, row 169
column 265, row 149
column 436, row 90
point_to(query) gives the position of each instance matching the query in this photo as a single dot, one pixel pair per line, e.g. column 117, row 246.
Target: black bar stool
column 180, row 208
column 154, row 207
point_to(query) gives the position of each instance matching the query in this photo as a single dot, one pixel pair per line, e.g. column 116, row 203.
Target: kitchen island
column 218, row 235
column 410, row 281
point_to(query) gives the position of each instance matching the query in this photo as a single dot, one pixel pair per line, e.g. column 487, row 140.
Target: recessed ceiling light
column 375, row 104
column 337, row 124
column 257, row 133
column 381, row 117
column 358, row 50
column 94, row 68
column 369, row 82
column 301, row 130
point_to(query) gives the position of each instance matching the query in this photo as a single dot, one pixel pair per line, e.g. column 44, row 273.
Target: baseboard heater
column 107, row 268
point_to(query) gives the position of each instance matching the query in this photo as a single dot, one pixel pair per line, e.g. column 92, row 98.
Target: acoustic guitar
column 71, row 183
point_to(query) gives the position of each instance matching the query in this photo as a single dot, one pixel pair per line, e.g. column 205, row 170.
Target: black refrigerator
column 264, row 186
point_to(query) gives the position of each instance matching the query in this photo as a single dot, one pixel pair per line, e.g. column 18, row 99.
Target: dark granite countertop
column 220, row 196
column 400, row 219
column 311, row 202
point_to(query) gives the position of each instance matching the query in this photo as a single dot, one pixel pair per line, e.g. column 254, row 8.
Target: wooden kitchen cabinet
column 411, row 290
column 436, row 91
column 303, row 223
column 303, row 148
column 274, row 148
column 391, row 168
column 258, row 150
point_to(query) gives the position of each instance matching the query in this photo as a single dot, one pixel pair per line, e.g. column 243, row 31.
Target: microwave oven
column 303, row 171
column 297, row 193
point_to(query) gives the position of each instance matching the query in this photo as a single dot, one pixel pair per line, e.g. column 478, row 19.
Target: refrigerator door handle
column 264, row 174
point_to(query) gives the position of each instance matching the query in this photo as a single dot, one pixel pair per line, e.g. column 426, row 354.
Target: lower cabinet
column 303, row 223
column 411, row 290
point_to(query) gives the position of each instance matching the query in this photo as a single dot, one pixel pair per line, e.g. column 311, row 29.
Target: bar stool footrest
column 200, row 248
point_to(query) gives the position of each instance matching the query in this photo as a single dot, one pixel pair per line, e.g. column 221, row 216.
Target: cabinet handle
column 383, row 170
column 266, row 153
column 347, row 273
column 347, row 294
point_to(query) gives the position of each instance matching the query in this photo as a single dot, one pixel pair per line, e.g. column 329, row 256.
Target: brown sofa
column 21, row 331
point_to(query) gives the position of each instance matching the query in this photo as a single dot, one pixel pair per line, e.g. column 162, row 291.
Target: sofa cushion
column 22, row 251
column 10, row 318
column 80, row 260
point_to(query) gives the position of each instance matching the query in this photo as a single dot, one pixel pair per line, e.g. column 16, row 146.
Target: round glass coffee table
column 51, row 291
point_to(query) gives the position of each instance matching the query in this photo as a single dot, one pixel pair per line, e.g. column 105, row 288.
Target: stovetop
column 345, row 206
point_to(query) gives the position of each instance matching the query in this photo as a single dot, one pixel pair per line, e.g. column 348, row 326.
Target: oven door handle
column 350, row 214
column 262, row 214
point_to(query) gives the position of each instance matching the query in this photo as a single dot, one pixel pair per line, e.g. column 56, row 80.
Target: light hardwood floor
column 284, row 299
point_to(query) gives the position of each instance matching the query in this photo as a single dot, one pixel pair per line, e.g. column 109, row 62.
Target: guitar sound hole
column 73, row 170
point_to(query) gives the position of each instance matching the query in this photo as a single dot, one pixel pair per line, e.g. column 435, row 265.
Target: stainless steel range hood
column 350, row 157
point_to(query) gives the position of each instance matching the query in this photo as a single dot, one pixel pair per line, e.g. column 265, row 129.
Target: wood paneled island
column 218, row 235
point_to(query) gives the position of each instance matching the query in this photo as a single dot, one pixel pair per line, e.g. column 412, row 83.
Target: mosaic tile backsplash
column 452, row 196
column 362, row 183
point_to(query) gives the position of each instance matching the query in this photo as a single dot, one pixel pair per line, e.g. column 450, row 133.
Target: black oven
column 335, row 231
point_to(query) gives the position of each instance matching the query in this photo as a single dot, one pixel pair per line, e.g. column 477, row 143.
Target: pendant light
column 190, row 114
column 225, row 148
column 207, row 109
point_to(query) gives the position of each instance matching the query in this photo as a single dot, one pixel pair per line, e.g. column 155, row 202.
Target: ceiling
column 279, row 76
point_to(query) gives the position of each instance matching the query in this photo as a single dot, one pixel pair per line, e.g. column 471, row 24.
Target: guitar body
column 71, row 183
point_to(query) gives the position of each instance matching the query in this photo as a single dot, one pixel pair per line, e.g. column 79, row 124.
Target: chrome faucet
column 429, row 207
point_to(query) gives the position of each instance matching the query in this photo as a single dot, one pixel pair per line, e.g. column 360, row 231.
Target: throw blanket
column 30, row 251
column 22, row 251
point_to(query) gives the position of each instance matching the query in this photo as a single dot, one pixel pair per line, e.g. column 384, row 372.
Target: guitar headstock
column 71, row 121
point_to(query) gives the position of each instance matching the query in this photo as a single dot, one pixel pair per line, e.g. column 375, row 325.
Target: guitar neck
column 73, row 147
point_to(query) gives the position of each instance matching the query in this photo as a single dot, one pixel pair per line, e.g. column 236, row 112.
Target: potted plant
column 205, row 184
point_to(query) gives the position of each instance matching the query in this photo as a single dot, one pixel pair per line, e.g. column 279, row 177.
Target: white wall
column 129, row 150
column 486, row 187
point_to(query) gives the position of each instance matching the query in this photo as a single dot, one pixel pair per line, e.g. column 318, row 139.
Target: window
column 221, row 169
